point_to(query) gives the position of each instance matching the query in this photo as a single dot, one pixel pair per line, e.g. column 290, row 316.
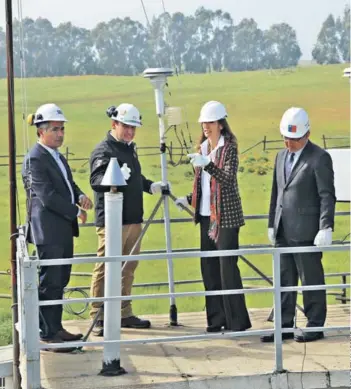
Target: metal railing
column 178, row 151
column 28, row 290
column 338, row 296
column 341, row 296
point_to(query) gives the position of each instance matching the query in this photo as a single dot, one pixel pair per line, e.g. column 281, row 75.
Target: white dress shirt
column 205, row 200
column 56, row 155
column 296, row 156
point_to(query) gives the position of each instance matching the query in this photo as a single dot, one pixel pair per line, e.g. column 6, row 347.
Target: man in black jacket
column 119, row 143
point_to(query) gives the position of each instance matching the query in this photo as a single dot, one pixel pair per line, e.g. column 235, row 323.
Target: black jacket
column 53, row 217
column 133, row 209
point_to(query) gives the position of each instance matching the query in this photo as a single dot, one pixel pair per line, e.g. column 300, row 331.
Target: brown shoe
column 57, row 339
column 68, row 337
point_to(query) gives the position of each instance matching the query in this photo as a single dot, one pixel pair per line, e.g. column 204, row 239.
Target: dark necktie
column 289, row 165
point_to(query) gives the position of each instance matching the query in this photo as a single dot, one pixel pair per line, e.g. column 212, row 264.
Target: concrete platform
column 212, row 364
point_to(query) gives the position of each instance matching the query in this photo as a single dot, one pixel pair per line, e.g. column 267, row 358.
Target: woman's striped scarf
column 215, row 206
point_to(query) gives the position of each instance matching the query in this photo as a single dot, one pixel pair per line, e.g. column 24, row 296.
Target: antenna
column 158, row 79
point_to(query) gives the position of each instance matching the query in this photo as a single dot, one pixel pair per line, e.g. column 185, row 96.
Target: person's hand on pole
column 181, row 203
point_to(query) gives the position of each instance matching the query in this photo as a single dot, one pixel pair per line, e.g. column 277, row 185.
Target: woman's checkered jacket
column 226, row 205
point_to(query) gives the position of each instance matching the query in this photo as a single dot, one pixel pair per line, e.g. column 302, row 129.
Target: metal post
column 31, row 330
column 12, row 188
column 20, row 324
column 158, row 80
column 160, row 112
column 278, row 344
column 111, row 365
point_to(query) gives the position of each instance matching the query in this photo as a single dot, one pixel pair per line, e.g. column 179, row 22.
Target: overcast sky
column 305, row 16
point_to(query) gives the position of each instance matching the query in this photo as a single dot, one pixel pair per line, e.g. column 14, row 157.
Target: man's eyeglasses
column 56, row 129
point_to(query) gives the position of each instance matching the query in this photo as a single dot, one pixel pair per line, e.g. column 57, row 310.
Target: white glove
column 324, row 237
column 125, row 171
column 182, row 201
column 271, row 236
column 199, row 160
column 156, row 187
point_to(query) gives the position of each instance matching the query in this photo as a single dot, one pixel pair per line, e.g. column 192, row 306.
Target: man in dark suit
column 301, row 213
column 54, row 202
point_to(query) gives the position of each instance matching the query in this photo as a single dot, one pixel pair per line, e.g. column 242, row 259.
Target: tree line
column 204, row 42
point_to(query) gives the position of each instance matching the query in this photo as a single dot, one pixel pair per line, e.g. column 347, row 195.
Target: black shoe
column 69, row 337
column 215, row 329
column 308, row 337
column 134, row 322
column 270, row 338
column 57, row 339
column 98, row 330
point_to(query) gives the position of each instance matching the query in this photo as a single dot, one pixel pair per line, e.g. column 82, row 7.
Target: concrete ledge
column 6, row 361
column 288, row 380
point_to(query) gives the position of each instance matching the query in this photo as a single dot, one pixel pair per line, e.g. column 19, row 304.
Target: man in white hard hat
column 301, row 213
column 119, row 143
column 54, row 202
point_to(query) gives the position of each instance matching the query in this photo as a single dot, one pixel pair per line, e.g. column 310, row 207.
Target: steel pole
column 13, row 190
column 111, row 365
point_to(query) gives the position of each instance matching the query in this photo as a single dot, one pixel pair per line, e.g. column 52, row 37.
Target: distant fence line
column 177, row 151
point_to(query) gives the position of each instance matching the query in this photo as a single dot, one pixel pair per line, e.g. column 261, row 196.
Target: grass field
column 255, row 102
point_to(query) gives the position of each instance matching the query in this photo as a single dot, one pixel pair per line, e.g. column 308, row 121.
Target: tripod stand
column 158, row 79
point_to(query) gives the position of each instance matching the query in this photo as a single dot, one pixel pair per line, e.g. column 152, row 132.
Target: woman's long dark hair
column 225, row 131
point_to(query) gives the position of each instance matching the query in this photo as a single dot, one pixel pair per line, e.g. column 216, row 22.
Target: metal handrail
column 30, row 297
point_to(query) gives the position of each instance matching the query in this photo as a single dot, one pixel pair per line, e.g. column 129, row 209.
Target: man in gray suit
column 301, row 213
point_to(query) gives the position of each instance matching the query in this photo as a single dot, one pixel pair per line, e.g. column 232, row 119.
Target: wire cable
column 150, row 32
column 24, row 102
column 172, row 56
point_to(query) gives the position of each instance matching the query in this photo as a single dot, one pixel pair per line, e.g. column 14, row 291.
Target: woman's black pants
column 220, row 273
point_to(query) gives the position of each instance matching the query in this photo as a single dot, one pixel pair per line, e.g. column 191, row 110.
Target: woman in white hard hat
column 218, row 209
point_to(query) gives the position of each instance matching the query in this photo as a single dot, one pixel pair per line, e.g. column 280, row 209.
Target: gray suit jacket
column 305, row 203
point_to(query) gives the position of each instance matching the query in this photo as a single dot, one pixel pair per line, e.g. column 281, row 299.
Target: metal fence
column 178, row 151
column 340, row 296
column 29, row 303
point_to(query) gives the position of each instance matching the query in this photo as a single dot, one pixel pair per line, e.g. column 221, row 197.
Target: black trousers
column 52, row 281
column 307, row 266
column 220, row 273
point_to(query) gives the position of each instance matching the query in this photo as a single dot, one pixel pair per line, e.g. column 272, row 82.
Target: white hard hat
column 295, row 123
column 47, row 113
column 125, row 113
column 212, row 111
